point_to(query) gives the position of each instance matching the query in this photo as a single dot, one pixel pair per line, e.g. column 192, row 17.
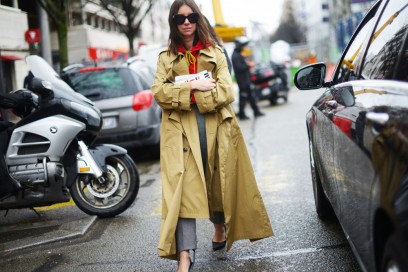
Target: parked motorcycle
column 270, row 82
column 48, row 156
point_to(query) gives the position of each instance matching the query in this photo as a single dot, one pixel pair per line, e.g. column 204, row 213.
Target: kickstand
column 6, row 213
column 39, row 215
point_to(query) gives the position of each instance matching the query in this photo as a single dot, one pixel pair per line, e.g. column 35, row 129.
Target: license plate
column 266, row 91
column 109, row 122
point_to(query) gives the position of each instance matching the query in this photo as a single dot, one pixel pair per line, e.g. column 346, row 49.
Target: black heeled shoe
column 192, row 260
column 220, row 245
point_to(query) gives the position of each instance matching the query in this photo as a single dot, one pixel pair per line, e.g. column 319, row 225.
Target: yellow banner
column 228, row 34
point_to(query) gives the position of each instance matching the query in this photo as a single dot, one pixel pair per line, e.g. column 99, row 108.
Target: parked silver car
column 131, row 117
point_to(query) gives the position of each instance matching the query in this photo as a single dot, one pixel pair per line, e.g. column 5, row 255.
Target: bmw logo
column 53, row 130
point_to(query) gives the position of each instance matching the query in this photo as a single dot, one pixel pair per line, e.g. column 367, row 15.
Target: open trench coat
column 228, row 183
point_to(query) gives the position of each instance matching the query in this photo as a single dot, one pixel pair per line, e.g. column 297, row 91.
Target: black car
column 358, row 138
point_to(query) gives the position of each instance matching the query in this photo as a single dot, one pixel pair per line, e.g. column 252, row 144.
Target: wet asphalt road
column 278, row 147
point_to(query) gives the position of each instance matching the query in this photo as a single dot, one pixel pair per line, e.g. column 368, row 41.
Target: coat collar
column 209, row 52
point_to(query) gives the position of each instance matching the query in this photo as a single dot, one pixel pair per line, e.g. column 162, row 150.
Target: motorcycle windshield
column 41, row 69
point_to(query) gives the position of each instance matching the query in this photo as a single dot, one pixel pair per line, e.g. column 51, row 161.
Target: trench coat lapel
column 180, row 66
column 206, row 60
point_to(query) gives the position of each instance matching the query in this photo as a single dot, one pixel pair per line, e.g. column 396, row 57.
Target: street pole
column 45, row 35
column 3, row 113
column 2, row 81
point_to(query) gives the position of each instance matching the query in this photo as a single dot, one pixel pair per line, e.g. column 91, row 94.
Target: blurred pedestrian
column 206, row 171
column 243, row 76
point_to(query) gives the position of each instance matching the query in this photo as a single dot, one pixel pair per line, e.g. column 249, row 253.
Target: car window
column 387, row 43
column 144, row 72
column 402, row 67
column 145, row 77
column 349, row 65
column 105, row 83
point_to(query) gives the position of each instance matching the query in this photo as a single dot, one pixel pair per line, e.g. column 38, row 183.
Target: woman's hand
column 203, row 85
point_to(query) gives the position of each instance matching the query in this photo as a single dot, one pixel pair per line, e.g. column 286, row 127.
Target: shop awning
column 10, row 57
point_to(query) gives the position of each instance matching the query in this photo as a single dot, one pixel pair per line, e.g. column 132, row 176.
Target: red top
column 191, row 57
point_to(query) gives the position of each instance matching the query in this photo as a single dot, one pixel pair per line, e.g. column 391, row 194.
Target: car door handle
column 331, row 104
column 380, row 118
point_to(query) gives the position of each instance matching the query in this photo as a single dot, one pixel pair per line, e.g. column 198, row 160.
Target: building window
column 76, row 19
column 89, row 19
column 96, row 22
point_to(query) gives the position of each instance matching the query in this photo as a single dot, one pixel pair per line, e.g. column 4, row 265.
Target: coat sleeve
column 168, row 94
column 223, row 94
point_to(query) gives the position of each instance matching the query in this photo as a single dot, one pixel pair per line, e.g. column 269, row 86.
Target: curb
column 66, row 230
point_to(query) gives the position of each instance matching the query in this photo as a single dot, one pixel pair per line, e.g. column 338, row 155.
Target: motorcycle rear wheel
column 114, row 195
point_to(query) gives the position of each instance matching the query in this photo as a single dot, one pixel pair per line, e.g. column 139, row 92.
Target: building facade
column 330, row 20
column 13, row 47
column 93, row 36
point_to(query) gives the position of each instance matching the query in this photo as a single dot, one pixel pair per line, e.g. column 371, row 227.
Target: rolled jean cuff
column 186, row 235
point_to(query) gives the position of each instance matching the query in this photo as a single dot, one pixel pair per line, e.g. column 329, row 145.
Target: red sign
column 103, row 54
column 33, row 36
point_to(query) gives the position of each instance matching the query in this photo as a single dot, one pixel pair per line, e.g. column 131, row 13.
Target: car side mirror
column 310, row 77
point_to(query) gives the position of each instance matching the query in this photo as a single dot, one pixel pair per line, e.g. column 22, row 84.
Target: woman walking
column 205, row 168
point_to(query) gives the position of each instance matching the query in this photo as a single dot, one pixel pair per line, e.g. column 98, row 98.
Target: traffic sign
column 33, row 35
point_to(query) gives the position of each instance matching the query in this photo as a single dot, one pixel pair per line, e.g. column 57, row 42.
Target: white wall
column 13, row 24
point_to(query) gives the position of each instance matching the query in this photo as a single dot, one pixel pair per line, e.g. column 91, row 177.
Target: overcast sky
column 240, row 13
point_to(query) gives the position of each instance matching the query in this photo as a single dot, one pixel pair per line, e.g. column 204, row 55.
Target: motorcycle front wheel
column 114, row 195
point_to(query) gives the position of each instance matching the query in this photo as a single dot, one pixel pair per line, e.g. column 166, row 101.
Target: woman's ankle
column 219, row 233
column 184, row 261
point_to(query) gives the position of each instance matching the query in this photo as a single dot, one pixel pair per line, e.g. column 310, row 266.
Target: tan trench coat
column 229, row 184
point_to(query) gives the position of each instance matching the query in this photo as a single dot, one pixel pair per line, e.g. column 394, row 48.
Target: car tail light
column 253, row 77
column 264, row 85
column 142, row 100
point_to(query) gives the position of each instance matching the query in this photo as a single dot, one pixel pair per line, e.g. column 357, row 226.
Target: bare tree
column 134, row 11
column 289, row 30
column 57, row 10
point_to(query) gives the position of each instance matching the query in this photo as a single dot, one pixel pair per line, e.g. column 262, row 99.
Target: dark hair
column 212, row 32
column 202, row 31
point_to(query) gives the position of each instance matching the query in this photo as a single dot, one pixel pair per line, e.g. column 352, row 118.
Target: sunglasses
column 180, row 18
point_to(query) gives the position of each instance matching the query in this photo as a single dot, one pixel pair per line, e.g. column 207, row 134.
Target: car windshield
column 101, row 84
column 41, row 69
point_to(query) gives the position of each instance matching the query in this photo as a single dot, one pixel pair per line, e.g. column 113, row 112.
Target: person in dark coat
column 243, row 76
